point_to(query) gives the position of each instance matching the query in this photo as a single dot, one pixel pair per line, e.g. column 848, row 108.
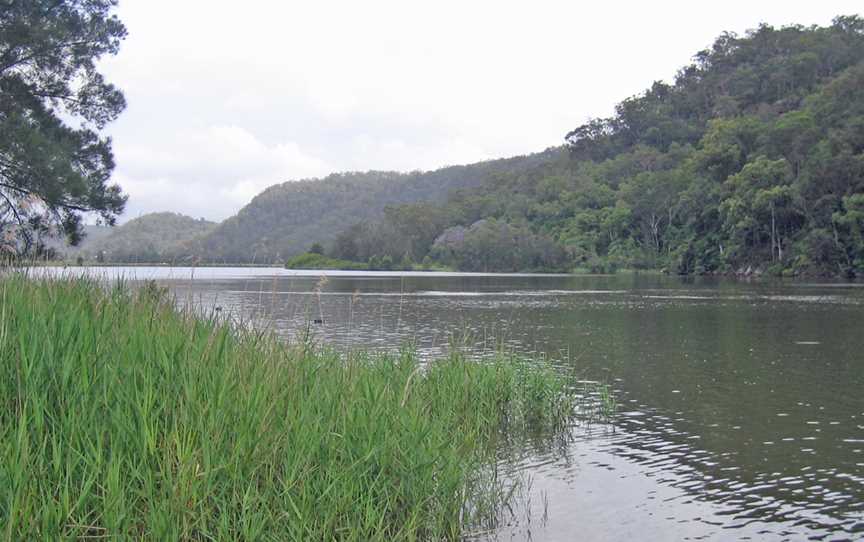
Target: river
column 741, row 403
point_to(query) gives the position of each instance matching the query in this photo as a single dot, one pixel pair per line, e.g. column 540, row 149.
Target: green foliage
column 849, row 232
column 316, row 248
column 313, row 260
column 493, row 245
column 380, row 263
column 753, row 158
column 124, row 418
column 285, row 219
column 54, row 165
column 407, row 263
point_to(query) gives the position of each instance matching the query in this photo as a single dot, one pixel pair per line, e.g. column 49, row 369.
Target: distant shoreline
column 751, row 274
column 449, row 272
column 140, row 264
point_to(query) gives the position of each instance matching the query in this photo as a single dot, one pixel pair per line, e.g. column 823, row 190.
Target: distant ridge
column 286, row 219
column 150, row 238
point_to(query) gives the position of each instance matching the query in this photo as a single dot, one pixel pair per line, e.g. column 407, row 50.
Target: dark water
column 741, row 409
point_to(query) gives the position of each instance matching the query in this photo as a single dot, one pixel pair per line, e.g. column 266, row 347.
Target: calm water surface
column 742, row 415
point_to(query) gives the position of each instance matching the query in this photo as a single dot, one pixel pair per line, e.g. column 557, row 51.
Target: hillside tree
column 55, row 165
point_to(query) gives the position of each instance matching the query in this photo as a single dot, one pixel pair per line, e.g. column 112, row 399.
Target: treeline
column 751, row 161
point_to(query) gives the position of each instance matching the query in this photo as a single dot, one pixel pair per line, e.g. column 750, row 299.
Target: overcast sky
column 227, row 98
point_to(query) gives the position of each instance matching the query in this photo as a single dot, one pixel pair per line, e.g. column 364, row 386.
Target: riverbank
column 312, row 260
column 316, row 262
column 124, row 417
column 64, row 263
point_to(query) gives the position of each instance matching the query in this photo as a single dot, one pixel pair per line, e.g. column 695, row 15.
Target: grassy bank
column 311, row 260
column 121, row 417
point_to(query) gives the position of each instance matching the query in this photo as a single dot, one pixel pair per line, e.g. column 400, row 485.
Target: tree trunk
column 655, row 232
column 773, row 232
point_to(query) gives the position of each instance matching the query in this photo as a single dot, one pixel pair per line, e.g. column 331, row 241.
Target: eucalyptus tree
column 55, row 164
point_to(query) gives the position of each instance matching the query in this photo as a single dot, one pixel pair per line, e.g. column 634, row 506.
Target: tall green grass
column 122, row 417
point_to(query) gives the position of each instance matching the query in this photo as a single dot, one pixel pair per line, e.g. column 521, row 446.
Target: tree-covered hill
column 151, row 238
column 752, row 159
column 288, row 218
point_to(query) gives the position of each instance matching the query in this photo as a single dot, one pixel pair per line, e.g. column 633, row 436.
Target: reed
column 123, row 417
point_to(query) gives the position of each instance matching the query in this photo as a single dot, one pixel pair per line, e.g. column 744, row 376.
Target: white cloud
column 210, row 172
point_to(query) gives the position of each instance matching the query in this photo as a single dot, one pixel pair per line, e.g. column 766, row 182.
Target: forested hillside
column 286, row 219
column 751, row 160
column 151, row 238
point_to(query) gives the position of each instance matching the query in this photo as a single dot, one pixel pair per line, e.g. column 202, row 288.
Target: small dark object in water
column 218, row 309
column 318, row 321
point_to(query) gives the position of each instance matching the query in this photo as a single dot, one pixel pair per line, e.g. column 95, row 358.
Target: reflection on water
column 741, row 407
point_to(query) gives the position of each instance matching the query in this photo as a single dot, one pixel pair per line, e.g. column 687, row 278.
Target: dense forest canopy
column 751, row 159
